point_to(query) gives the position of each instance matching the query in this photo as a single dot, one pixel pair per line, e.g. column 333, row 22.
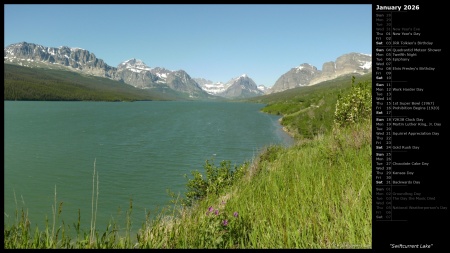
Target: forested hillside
column 22, row 83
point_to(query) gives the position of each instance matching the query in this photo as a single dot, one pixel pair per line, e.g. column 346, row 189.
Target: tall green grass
column 316, row 194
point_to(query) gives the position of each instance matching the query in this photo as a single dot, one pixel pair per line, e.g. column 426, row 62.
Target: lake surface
column 140, row 150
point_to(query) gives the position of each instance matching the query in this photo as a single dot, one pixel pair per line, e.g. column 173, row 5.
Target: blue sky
column 212, row 41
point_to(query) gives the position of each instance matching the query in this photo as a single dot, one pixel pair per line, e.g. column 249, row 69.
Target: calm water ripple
column 140, row 150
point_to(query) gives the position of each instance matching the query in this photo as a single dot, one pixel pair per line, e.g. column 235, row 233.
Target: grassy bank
column 314, row 194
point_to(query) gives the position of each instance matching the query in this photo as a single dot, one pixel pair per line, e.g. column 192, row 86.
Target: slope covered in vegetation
column 23, row 83
column 308, row 111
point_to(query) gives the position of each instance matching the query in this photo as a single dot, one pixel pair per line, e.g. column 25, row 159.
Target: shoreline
column 286, row 130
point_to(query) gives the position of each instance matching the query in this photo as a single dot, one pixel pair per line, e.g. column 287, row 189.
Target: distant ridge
column 136, row 73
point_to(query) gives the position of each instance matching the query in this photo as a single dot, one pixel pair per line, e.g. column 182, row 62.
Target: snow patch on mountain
column 365, row 64
column 134, row 65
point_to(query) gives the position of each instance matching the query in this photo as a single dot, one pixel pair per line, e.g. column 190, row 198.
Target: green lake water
column 140, row 150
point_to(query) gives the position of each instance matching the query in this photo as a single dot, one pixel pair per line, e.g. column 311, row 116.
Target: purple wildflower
column 225, row 222
column 209, row 210
column 216, row 212
column 235, row 214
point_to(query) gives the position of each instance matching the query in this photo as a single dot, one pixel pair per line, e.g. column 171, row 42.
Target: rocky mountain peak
column 241, row 78
column 135, row 65
column 305, row 67
column 242, row 86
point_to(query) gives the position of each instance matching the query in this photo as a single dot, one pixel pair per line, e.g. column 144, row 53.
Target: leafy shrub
column 355, row 106
column 217, row 178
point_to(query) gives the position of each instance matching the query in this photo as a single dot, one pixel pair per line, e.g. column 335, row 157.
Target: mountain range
column 239, row 87
column 136, row 73
column 306, row 74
